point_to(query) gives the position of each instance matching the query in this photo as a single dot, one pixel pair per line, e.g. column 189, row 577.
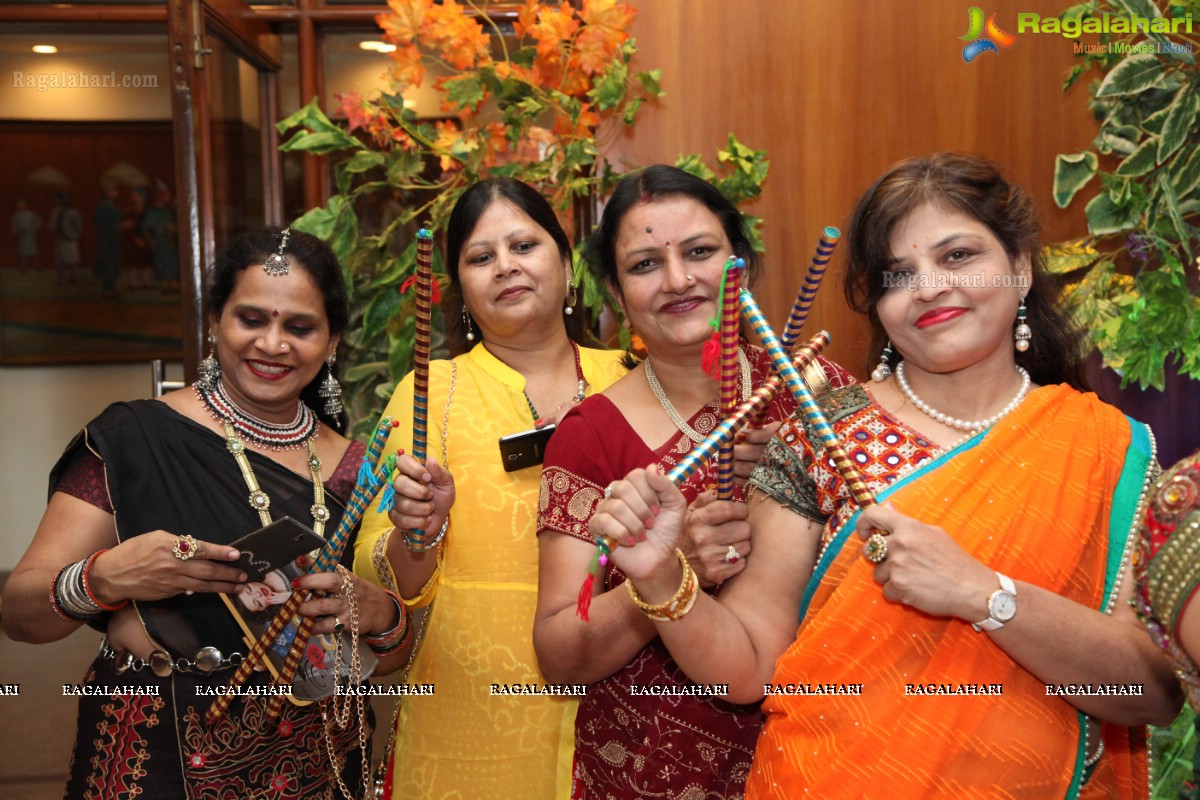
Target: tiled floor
column 37, row 727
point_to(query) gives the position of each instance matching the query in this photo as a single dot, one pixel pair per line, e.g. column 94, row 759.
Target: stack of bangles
column 71, row 594
column 419, row 545
column 388, row 642
column 677, row 606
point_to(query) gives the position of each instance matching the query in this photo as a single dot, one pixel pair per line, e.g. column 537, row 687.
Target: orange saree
column 1048, row 496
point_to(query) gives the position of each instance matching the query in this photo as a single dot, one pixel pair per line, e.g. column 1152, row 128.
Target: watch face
column 1003, row 606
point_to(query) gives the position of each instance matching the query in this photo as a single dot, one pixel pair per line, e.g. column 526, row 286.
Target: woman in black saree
column 135, row 541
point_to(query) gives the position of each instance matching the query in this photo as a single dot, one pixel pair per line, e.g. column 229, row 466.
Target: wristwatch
column 1002, row 606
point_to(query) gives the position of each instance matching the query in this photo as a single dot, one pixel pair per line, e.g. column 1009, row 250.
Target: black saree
column 149, row 740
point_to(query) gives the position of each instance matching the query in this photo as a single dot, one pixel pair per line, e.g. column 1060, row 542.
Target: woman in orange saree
column 971, row 635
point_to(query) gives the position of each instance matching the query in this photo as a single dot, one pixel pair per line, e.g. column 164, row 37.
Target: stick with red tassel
column 724, row 433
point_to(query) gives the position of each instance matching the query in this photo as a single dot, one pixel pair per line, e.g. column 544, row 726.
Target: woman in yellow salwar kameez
column 971, row 635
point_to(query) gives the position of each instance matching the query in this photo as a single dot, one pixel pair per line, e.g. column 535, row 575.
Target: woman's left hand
column 925, row 568
column 751, row 443
column 375, row 609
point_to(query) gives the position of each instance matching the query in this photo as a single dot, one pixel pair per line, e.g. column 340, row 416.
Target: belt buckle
column 161, row 663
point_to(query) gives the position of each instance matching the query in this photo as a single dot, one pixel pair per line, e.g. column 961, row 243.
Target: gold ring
column 876, row 548
column 184, row 548
column 338, row 627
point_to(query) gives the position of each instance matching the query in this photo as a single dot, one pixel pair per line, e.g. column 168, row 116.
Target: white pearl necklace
column 953, row 422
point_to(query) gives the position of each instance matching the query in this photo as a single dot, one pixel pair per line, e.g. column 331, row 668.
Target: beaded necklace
column 954, row 422
column 259, row 500
column 669, row 407
column 289, row 436
column 579, row 394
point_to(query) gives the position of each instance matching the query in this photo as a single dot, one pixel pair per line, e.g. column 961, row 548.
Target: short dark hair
column 973, row 185
column 652, row 183
column 304, row 251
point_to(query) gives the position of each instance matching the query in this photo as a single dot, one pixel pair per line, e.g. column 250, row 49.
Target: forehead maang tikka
column 277, row 263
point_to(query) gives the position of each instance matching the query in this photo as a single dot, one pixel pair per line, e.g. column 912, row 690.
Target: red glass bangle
column 87, row 587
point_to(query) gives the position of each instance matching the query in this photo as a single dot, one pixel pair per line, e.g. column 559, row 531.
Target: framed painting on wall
column 89, row 266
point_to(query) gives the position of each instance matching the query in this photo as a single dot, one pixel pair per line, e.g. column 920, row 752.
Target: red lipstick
column 939, row 315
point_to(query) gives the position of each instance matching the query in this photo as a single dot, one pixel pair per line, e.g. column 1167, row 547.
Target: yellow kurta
column 463, row 742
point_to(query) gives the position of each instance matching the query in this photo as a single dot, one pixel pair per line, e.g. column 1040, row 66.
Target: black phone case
column 275, row 545
column 524, row 449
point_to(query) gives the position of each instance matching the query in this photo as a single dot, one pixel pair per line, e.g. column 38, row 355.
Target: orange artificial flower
column 358, row 112
column 595, row 50
column 554, row 28
column 495, row 137
column 460, row 38
column 408, row 69
column 401, row 23
column 609, row 16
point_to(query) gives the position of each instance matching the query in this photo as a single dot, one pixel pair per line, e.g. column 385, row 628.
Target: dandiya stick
column 808, row 403
column 808, row 288
column 728, row 331
column 424, row 301
column 724, row 433
column 365, row 488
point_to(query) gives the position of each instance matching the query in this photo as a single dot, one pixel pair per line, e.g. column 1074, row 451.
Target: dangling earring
column 569, row 308
column 1023, row 334
column 331, row 391
column 210, row 369
column 884, row 370
column 467, row 324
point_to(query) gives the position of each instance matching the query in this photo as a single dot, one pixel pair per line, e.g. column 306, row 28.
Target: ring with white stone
column 608, row 491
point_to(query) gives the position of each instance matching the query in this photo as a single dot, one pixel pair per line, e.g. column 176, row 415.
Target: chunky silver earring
column 277, row 263
column 884, row 371
column 210, row 369
column 1023, row 335
column 466, row 317
column 331, row 391
column 569, row 308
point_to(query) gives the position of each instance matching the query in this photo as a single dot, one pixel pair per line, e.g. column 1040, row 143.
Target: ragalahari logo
column 983, row 38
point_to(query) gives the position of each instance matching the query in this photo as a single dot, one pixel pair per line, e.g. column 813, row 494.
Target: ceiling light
column 45, row 49
column 378, row 47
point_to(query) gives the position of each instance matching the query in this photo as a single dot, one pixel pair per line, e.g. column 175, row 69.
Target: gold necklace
column 259, row 500
column 669, row 407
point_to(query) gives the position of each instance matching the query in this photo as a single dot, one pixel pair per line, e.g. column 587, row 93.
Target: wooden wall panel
column 837, row 91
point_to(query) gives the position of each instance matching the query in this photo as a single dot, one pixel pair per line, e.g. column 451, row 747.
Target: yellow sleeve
column 370, row 548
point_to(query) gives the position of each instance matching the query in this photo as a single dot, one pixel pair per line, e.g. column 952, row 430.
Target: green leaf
column 1143, row 8
column 465, row 91
column 1186, row 173
column 1072, row 173
column 362, row 161
column 693, row 165
column 1105, row 217
column 651, row 81
column 1068, row 257
column 380, row 309
column 1182, row 229
column 320, row 143
column 1134, row 74
column 524, row 57
column 360, row 371
column 609, row 90
column 310, row 116
column 1140, row 161
column 1180, row 118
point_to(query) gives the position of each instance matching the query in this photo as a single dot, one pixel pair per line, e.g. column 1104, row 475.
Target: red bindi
column 275, row 313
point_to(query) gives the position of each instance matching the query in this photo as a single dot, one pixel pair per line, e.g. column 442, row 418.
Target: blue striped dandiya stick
column 421, row 344
column 365, row 488
column 722, row 434
column 808, row 288
column 804, row 397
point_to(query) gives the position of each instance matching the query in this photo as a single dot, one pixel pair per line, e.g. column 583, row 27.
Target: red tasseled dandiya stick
column 424, row 302
column 724, row 433
column 730, row 316
column 808, row 288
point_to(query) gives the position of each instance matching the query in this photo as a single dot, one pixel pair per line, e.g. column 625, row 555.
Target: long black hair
column 306, row 252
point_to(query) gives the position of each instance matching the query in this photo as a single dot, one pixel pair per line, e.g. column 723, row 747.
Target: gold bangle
column 680, row 604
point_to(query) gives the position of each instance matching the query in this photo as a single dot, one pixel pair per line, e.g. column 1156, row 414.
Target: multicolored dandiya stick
column 804, row 396
column 728, row 331
column 416, row 539
column 808, row 289
column 367, row 485
column 723, row 434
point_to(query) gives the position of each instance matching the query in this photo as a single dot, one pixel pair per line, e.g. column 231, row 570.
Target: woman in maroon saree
column 644, row 729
